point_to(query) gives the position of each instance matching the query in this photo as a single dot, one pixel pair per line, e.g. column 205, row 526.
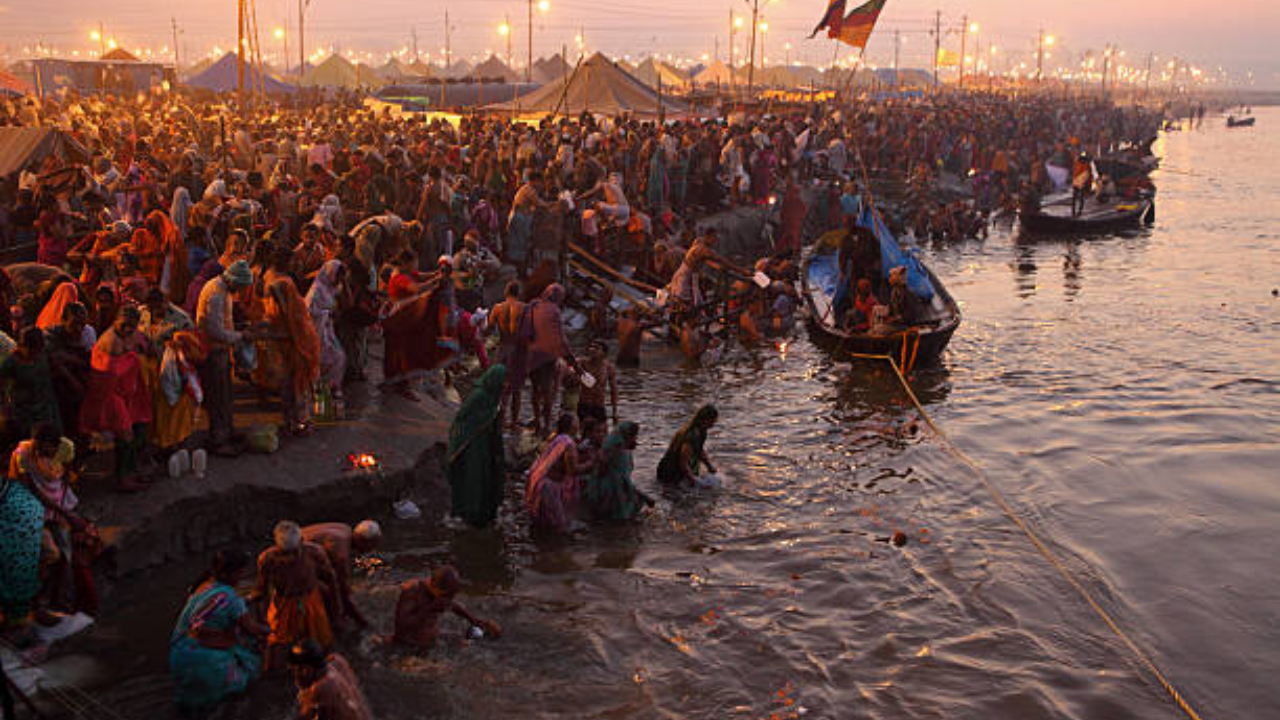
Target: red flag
column 831, row 19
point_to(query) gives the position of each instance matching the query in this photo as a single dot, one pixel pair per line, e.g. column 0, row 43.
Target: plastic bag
column 246, row 356
column 264, row 439
column 170, row 377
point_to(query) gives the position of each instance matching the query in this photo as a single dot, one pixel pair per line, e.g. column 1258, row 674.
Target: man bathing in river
column 295, row 584
column 327, row 687
column 340, row 542
column 591, row 399
column 424, row 602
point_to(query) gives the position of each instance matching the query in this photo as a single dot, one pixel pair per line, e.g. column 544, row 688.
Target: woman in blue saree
column 208, row 656
column 21, row 521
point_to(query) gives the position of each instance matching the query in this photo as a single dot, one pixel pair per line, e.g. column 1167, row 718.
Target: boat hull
column 1051, row 223
column 918, row 347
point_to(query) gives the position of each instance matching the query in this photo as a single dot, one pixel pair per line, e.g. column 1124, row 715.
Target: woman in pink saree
column 552, row 493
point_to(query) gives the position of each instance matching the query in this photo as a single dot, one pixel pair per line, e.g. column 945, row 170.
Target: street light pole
column 528, row 68
column 302, row 44
column 964, row 38
column 751, row 56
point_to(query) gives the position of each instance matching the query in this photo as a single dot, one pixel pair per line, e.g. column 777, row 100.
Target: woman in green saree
column 686, row 454
column 476, row 468
column 609, row 490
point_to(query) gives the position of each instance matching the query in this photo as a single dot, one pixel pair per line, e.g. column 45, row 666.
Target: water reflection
column 1024, row 268
column 1071, row 275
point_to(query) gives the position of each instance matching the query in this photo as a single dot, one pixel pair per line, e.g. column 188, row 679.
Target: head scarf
column 323, row 295
column 303, row 344
column 180, row 210
column 51, row 315
column 238, row 273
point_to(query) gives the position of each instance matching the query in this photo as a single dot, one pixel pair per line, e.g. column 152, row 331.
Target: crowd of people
column 197, row 252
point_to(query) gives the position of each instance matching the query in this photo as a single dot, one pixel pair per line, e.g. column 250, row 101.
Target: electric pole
column 173, row 23
column 102, row 41
column 1040, row 57
column 528, row 68
column 507, row 19
column 751, row 57
column 413, row 33
column 937, row 44
column 731, row 33
column 964, row 37
column 302, row 44
column 240, row 54
column 448, row 49
column 897, row 45
column 1106, row 67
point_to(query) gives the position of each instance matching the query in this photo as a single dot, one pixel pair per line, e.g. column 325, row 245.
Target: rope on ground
column 1143, row 658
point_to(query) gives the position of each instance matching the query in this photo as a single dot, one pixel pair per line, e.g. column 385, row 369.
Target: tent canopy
column 549, row 70
column 120, row 54
column 716, row 72
column 651, row 69
column 10, row 83
column 417, row 68
column 24, row 147
column 336, row 71
column 495, row 68
column 224, row 76
column 600, row 87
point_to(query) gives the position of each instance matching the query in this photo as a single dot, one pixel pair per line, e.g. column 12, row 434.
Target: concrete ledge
column 308, row 480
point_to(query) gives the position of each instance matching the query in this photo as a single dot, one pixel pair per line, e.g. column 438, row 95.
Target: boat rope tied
column 1143, row 658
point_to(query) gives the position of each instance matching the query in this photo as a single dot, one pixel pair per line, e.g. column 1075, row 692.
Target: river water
column 1121, row 391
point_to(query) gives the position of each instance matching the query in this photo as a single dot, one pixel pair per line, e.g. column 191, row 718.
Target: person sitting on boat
column 864, row 303
column 1106, row 189
column 904, row 306
column 1081, row 183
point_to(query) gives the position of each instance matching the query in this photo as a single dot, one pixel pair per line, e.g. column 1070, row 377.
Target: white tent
column 715, row 73
column 335, row 71
column 652, row 69
column 495, row 68
column 547, row 70
column 600, row 87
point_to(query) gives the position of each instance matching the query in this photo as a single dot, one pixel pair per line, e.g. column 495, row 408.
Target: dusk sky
column 1239, row 35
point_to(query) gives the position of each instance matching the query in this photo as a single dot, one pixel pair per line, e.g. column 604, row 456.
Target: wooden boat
column 918, row 346
column 1234, row 122
column 1096, row 217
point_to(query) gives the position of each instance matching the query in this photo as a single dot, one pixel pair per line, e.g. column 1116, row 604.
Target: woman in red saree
column 298, row 346
column 116, row 399
column 415, row 326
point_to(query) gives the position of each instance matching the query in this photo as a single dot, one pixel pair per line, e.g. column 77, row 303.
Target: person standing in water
column 687, row 452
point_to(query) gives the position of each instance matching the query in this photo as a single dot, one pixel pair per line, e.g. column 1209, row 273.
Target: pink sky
column 1237, row 34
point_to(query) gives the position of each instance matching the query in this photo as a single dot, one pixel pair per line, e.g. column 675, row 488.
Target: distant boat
column 1233, row 121
column 921, row 345
column 1096, row 217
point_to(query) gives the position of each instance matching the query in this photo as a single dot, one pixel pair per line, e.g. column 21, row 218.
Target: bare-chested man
column 591, row 399
column 327, row 687
column 505, row 318
column 340, row 543
column 423, row 603
column 630, row 333
column 295, row 585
